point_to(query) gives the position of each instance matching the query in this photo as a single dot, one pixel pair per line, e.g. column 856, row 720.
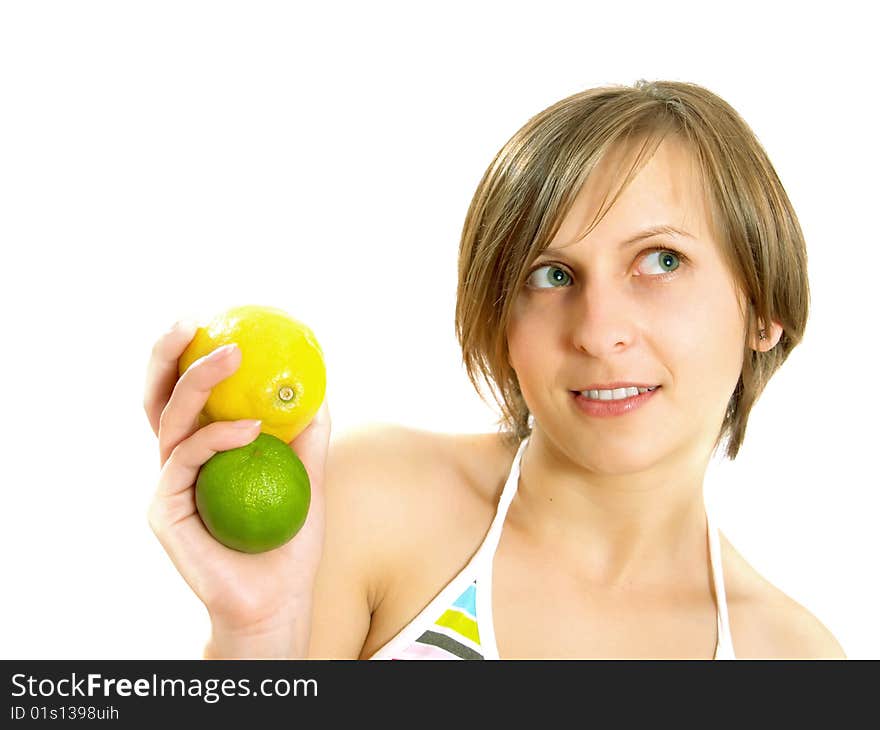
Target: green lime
column 255, row 497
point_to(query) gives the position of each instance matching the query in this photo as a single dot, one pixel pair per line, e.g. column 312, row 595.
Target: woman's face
column 603, row 309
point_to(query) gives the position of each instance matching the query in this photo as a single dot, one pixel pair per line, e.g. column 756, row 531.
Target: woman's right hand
column 260, row 604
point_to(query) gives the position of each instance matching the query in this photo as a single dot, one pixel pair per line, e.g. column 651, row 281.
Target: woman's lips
column 608, row 408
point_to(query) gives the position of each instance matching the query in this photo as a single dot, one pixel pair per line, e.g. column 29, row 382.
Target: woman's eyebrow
column 661, row 230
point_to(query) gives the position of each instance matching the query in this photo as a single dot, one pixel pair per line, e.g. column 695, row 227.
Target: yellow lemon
column 282, row 377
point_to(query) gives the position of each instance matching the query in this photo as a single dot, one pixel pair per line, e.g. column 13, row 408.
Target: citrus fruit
column 255, row 497
column 281, row 379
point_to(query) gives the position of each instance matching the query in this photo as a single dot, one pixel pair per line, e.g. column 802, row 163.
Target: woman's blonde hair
column 533, row 180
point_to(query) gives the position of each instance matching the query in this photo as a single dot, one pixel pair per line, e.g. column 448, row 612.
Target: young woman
column 631, row 275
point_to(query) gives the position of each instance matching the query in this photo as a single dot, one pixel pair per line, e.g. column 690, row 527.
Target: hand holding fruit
column 255, row 498
column 247, row 595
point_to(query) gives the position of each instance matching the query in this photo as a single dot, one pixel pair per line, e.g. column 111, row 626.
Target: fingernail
column 222, row 352
column 247, row 424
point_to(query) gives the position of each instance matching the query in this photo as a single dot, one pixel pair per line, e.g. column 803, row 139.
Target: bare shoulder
column 405, row 510
column 765, row 622
column 385, row 487
column 403, row 489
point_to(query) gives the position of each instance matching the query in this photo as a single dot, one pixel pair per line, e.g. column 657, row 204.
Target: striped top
column 457, row 623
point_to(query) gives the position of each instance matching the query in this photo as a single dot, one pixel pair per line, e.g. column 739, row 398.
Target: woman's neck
column 620, row 530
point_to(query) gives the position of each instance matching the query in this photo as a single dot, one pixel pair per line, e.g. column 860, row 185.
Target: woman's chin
column 612, row 456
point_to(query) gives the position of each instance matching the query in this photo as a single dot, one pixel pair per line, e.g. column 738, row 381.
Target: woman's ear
column 766, row 338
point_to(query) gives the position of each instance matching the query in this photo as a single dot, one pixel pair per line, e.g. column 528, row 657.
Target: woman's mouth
column 604, row 402
column 617, row 393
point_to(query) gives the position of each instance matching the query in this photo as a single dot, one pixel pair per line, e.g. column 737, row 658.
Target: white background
column 166, row 159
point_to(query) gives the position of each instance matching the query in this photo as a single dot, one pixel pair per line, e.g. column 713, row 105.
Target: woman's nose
column 603, row 322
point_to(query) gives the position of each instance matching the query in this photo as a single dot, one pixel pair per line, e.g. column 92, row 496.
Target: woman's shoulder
column 406, row 510
column 767, row 623
column 404, row 491
column 414, row 463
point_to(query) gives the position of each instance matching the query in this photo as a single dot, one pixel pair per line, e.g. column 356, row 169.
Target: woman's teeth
column 616, row 394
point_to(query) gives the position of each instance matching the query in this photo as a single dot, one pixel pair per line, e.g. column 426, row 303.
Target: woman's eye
column 657, row 262
column 547, row 277
column 661, row 262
